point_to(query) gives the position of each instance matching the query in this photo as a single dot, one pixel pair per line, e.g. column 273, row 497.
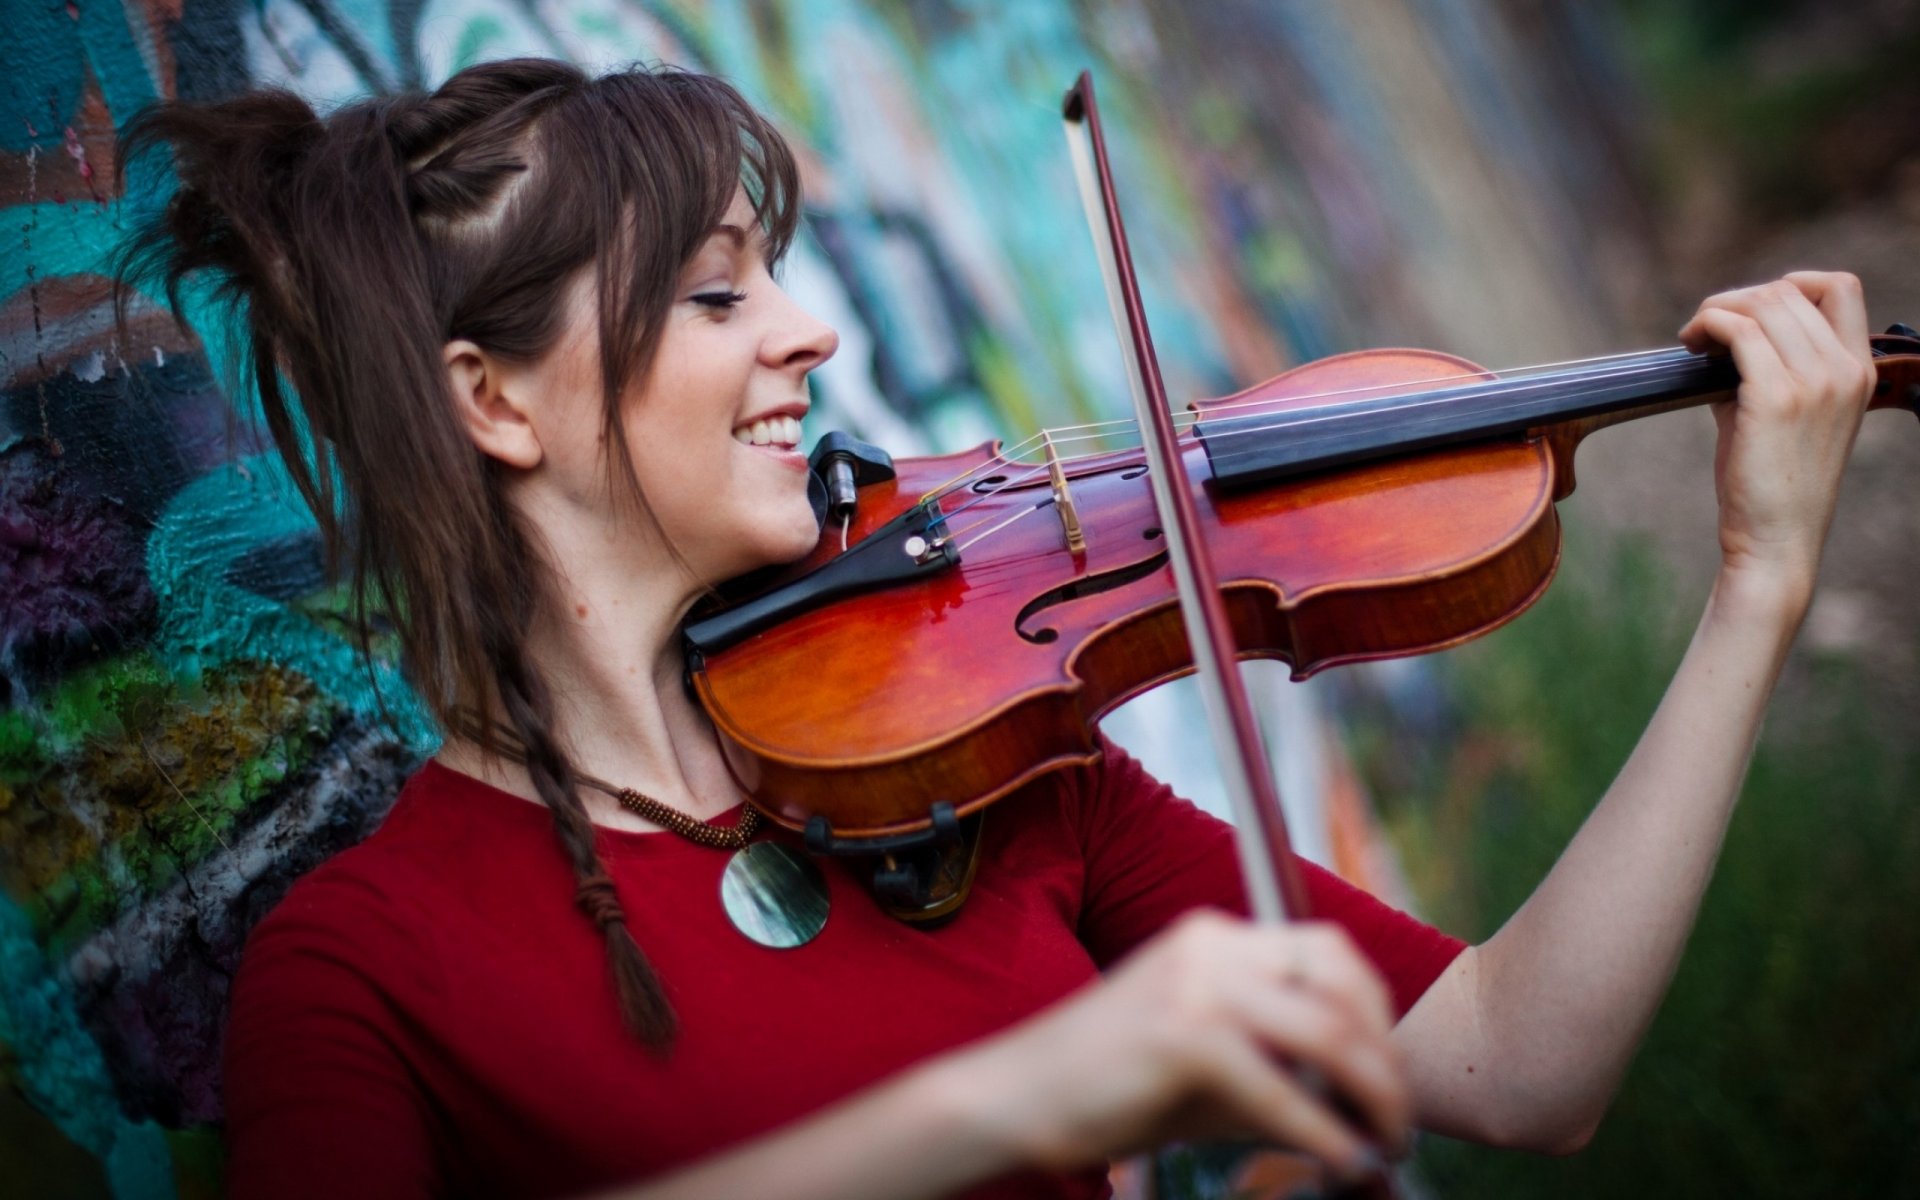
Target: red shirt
column 427, row 1013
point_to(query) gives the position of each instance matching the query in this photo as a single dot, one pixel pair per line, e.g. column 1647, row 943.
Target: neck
column 608, row 647
column 1255, row 447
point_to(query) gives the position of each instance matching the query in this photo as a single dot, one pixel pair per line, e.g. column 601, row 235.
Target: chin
column 776, row 543
column 799, row 537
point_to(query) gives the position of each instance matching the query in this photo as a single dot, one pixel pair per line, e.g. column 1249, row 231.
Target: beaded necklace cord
column 717, row 837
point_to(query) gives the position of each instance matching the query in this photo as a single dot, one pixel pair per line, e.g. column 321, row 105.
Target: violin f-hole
column 1076, row 589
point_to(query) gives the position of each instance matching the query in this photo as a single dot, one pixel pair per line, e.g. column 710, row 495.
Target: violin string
column 1407, row 411
column 1032, row 474
column 1512, row 374
column 999, row 459
column 1649, row 362
column 1024, row 512
column 1405, row 402
column 1395, row 389
column 962, row 531
column 1293, row 419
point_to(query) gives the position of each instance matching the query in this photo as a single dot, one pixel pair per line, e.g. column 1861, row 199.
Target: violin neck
column 1262, row 447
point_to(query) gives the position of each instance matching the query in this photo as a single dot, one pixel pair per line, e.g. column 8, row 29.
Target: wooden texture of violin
column 974, row 681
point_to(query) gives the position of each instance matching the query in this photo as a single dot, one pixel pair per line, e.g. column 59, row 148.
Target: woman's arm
column 1524, row 1039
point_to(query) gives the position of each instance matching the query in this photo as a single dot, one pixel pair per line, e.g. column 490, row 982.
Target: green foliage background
column 1784, row 1061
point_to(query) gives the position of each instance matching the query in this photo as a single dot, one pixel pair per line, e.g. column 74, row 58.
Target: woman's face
column 713, row 430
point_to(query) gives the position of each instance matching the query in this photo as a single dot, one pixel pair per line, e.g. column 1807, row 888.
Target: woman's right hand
column 1212, row 1029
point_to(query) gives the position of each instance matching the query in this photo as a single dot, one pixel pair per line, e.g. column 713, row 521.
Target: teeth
column 769, row 431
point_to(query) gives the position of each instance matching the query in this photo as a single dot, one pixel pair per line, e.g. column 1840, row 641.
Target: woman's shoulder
column 332, row 1006
column 354, row 888
column 380, row 894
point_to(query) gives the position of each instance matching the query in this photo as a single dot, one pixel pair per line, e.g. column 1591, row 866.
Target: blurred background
column 185, row 725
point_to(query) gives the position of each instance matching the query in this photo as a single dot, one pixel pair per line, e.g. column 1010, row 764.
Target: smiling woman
column 529, row 326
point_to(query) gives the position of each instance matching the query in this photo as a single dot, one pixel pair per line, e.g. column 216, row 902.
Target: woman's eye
column 719, row 299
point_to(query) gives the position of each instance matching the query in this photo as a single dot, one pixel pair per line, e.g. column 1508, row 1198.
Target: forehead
column 738, row 226
column 739, row 210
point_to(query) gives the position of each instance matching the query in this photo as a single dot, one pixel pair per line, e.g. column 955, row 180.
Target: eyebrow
column 756, row 236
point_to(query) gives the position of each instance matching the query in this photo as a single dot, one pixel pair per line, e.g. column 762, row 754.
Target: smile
column 769, row 431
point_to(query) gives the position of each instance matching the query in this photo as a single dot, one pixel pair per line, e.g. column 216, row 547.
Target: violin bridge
column 1063, row 499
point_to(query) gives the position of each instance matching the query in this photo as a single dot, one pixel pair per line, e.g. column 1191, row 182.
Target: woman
column 547, row 393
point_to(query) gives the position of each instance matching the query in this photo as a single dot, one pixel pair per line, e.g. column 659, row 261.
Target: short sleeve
column 1151, row 856
column 319, row 1099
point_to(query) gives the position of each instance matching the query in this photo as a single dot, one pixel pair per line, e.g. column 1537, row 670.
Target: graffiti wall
column 185, row 721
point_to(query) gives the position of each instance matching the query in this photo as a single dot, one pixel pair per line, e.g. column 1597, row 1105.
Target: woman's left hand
column 1806, row 373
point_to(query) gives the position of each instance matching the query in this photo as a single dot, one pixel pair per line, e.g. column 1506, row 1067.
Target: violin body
column 971, row 682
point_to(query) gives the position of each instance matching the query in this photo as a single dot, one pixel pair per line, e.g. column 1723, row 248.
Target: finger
column 1265, row 1098
column 1835, row 374
column 1324, row 959
column 1747, row 301
column 1798, row 333
column 1819, row 331
column 1359, row 1067
column 1841, row 300
column 1752, row 352
column 1828, row 372
column 1695, row 335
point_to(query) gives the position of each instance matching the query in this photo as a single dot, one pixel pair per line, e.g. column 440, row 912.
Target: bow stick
column 1275, row 890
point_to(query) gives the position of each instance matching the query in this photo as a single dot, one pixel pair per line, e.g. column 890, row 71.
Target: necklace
column 772, row 893
column 719, row 837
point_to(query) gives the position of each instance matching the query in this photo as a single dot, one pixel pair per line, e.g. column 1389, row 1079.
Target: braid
column 529, row 710
column 459, row 173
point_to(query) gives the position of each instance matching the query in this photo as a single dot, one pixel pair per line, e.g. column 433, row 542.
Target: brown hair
column 351, row 248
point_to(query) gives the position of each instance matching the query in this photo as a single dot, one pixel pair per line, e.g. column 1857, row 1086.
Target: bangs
column 640, row 167
column 693, row 139
column 630, row 175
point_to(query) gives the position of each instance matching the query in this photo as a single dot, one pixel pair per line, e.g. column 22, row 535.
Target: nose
column 798, row 338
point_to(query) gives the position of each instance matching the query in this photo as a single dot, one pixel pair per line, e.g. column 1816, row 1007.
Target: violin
column 961, row 629
column 966, row 619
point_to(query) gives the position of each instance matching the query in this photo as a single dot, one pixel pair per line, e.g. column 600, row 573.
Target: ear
column 489, row 407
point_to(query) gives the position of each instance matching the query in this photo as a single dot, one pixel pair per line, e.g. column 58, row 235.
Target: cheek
column 667, row 441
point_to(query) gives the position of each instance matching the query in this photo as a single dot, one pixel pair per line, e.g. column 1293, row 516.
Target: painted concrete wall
column 183, row 726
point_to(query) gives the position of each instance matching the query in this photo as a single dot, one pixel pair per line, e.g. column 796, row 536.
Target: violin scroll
column 1896, row 355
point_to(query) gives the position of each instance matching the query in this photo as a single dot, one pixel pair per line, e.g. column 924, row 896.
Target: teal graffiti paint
column 207, row 619
column 46, row 69
column 61, row 1070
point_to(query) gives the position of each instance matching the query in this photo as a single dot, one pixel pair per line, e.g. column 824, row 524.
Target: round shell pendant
column 775, row 895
